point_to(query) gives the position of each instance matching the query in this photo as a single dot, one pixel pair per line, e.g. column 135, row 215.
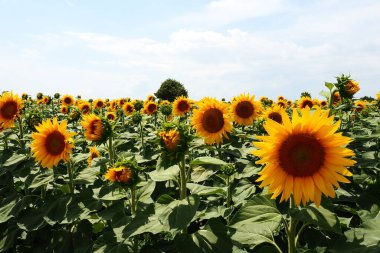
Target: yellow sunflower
column 323, row 103
column 181, row 106
column 150, row 107
column 212, row 120
column 361, row 105
column 84, row 107
column 304, row 102
column 64, row 109
column 337, row 97
column 351, row 87
column 111, row 116
column 128, row 108
column 276, row 113
column 378, row 95
column 51, row 143
column 304, row 157
column 10, row 108
column 245, row 109
column 94, row 153
column 68, row 100
column 170, row 138
column 98, row 103
column 93, row 127
column 120, row 174
column 282, row 103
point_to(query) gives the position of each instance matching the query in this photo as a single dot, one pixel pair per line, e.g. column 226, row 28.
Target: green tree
column 170, row 89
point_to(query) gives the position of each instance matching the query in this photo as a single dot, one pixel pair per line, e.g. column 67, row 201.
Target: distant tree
column 170, row 89
column 305, row 94
column 369, row 99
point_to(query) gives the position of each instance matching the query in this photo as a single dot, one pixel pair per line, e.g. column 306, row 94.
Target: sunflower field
column 238, row 175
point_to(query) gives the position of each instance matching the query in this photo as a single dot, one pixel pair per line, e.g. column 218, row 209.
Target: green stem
column 110, row 150
column 22, row 144
column 183, row 189
column 291, row 230
column 133, row 201
column 300, row 232
column 5, row 143
column 142, row 135
column 70, row 172
column 331, row 100
column 219, row 149
column 228, row 192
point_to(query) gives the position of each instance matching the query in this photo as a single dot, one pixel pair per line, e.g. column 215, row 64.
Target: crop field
column 240, row 174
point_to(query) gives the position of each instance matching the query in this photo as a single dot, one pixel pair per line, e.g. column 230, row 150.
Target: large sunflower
column 68, row 100
column 276, row 113
column 10, row 108
column 150, row 107
column 98, row 103
column 94, row 128
column 128, row 108
column 245, row 109
column 85, row 107
column 304, row 157
column 51, row 143
column 212, row 120
column 181, row 106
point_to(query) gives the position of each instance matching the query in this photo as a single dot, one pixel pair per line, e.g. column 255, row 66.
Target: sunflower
column 94, row 127
column 378, row 95
column 10, row 109
column 51, row 143
column 120, row 174
column 64, row 109
column 212, row 120
column 304, row 157
column 121, row 102
column 281, row 103
column 128, row 108
column 323, row 103
column 304, row 102
column 111, row 116
column 98, row 103
column 351, row 87
column 165, row 102
column 150, row 107
column 46, row 100
column 336, row 97
column 280, row 98
column 245, row 109
column 170, row 139
column 276, row 113
column 94, row 153
column 360, row 106
column 181, row 106
column 85, row 107
column 68, row 100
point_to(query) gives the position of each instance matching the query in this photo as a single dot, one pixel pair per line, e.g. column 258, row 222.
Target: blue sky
column 215, row 48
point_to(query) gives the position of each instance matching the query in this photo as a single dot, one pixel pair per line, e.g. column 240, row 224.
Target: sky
column 220, row 48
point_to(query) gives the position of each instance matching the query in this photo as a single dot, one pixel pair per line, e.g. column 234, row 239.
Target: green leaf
column 255, row 222
column 330, row 86
column 203, row 190
column 144, row 191
column 14, row 160
column 170, row 173
column 213, row 238
column 321, row 217
column 200, row 174
column 87, row 175
column 42, row 178
column 207, row 160
column 8, row 235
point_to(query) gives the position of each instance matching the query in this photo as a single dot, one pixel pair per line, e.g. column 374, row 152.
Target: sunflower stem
column 291, row 230
column 70, row 172
column 331, row 100
column 300, row 232
column 228, row 192
column 133, row 200
column 183, row 189
column 110, row 150
column 219, row 149
column 142, row 136
column 21, row 137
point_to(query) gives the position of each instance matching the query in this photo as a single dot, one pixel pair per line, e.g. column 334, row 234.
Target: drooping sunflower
column 67, row 100
column 10, row 109
column 337, row 99
column 276, row 113
column 94, row 153
column 52, row 143
column 212, row 120
column 128, row 108
column 360, row 105
column 170, row 138
column 304, row 157
column 125, row 172
column 245, row 109
column 94, row 127
column 181, row 106
column 150, row 107
column 304, row 102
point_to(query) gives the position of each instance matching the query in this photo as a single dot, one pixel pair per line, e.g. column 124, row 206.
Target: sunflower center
column 301, row 155
column 307, row 103
column 94, row 126
column 276, row 117
column 9, row 109
column 67, row 100
column 55, row 143
column 183, row 106
column 152, row 107
column 129, row 108
column 213, row 120
column 244, row 109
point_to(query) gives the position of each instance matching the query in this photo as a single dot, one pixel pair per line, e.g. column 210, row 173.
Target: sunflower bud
column 136, row 118
column 166, row 109
column 125, row 172
column 346, row 86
